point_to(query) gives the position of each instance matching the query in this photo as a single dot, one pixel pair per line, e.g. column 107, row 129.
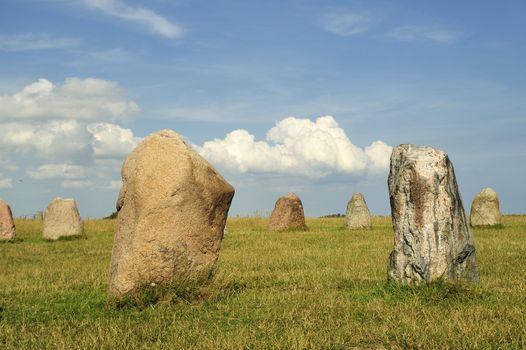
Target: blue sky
column 250, row 84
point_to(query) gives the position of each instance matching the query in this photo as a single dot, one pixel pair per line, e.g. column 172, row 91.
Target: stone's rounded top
column 488, row 193
column 168, row 134
column 60, row 199
column 292, row 196
column 2, row 201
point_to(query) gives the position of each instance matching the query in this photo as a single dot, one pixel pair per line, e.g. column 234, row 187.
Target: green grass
column 324, row 288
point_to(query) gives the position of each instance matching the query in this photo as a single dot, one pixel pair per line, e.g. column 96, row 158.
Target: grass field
column 321, row 289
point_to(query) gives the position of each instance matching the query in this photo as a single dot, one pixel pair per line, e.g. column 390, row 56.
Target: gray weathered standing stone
column 287, row 214
column 432, row 238
column 357, row 214
column 172, row 211
column 7, row 224
column 62, row 219
column 485, row 210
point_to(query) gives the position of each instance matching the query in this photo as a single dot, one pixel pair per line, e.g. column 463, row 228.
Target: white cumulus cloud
column 153, row 21
column 64, row 140
column 76, row 99
column 296, row 146
column 110, row 140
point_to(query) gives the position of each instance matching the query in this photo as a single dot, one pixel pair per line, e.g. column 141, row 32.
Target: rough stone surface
column 287, row 214
column 357, row 214
column 62, row 219
column 485, row 208
column 172, row 211
column 432, row 238
column 7, row 224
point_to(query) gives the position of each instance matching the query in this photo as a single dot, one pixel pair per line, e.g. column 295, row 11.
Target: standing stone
column 485, row 209
column 432, row 238
column 39, row 216
column 172, row 210
column 62, row 219
column 357, row 214
column 287, row 214
column 7, row 224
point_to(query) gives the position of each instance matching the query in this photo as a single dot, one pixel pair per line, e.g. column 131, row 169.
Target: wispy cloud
column 347, row 23
column 6, row 183
column 156, row 23
column 433, row 33
column 30, row 42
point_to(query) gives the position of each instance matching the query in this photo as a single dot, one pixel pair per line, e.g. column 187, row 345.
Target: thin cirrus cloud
column 313, row 149
column 154, row 22
column 52, row 171
column 347, row 23
column 430, row 33
column 32, row 42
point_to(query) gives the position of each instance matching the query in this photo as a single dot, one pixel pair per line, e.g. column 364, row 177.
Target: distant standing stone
column 7, row 224
column 287, row 214
column 39, row 216
column 172, row 211
column 432, row 238
column 62, row 219
column 357, row 214
column 485, row 210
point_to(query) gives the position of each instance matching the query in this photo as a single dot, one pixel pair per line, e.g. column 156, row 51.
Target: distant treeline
column 333, row 216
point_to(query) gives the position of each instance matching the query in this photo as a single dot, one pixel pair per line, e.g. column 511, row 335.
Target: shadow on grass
column 187, row 292
column 67, row 238
column 490, row 227
column 13, row 240
column 437, row 292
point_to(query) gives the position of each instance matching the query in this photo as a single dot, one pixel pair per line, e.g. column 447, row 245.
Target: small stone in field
column 287, row 214
column 7, row 224
column 357, row 214
column 62, row 219
column 485, row 210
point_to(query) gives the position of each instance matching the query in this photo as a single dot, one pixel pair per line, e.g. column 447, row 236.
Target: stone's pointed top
column 358, row 214
column 357, row 196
